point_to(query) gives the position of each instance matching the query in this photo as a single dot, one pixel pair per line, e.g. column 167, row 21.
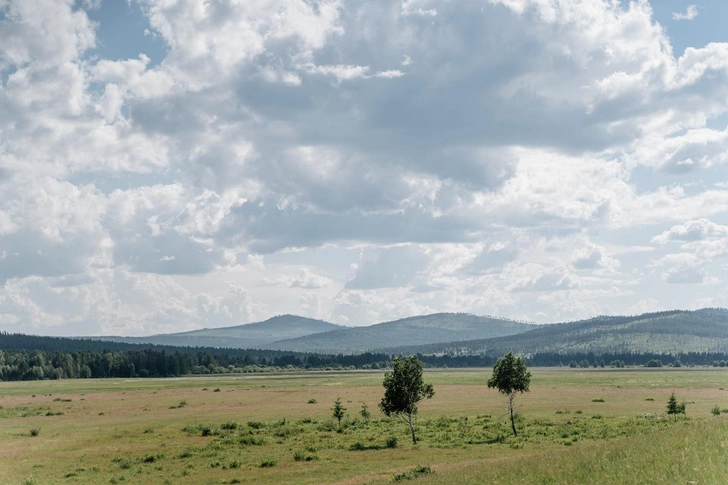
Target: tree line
column 26, row 357
column 17, row 365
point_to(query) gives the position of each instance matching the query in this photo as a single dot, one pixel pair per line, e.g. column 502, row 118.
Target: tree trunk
column 510, row 410
column 412, row 430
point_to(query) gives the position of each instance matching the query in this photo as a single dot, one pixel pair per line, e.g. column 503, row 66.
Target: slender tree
column 338, row 410
column 510, row 376
column 365, row 414
column 403, row 389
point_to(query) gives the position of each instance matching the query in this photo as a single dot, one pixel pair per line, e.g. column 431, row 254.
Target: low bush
column 414, row 473
column 391, row 442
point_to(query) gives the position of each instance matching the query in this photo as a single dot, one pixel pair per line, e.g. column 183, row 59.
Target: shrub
column 414, row 473
column 34, row 431
column 312, row 401
column 365, row 414
column 715, row 411
column 256, row 424
column 148, row 431
column 229, row 425
column 391, row 442
column 234, row 464
column 251, row 440
column 149, row 459
column 358, row 446
column 217, row 389
column 598, row 400
column 267, row 463
column 123, row 463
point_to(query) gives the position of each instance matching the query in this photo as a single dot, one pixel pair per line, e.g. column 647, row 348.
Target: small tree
column 365, row 414
column 338, row 410
column 510, row 376
column 403, row 389
column 673, row 407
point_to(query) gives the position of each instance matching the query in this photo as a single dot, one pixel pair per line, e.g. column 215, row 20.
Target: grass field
column 575, row 426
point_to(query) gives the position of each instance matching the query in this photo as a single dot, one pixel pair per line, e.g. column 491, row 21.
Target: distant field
column 577, row 426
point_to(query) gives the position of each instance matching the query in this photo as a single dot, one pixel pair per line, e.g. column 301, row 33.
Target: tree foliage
column 404, row 387
column 510, row 376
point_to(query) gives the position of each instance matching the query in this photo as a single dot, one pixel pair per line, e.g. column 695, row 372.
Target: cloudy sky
column 167, row 165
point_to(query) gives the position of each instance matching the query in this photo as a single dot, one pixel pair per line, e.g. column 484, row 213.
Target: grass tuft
column 412, row 474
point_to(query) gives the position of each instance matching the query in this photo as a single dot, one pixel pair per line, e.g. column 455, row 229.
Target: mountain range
column 671, row 332
column 674, row 332
column 420, row 330
column 249, row 336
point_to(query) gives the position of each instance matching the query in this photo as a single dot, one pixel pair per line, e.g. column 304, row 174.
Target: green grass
column 690, row 452
column 261, row 429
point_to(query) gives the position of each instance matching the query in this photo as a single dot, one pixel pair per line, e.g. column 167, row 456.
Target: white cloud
column 305, row 279
column 356, row 160
column 696, row 230
column 594, row 257
column 683, row 268
column 689, row 14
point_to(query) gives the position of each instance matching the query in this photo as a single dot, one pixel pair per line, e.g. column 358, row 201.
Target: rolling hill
column 249, row 336
column 427, row 329
column 672, row 332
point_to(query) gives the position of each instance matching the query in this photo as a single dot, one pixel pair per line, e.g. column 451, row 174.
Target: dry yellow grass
column 111, row 420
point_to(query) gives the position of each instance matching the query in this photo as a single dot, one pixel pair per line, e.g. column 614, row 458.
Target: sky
column 168, row 165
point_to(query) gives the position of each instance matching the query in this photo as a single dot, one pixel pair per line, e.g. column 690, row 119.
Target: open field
column 577, row 426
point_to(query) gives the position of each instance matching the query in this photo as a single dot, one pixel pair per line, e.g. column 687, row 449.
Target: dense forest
column 25, row 357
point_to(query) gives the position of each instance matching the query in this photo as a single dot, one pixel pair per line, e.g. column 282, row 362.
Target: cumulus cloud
column 466, row 156
column 696, row 230
column 594, row 257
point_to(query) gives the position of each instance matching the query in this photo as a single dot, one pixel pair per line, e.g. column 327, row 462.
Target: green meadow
column 575, row 426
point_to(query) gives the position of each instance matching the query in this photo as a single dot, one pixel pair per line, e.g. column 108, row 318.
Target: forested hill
column 248, row 336
column 30, row 343
column 439, row 327
column 672, row 332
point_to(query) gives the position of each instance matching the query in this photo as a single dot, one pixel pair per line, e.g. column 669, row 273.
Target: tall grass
column 690, row 452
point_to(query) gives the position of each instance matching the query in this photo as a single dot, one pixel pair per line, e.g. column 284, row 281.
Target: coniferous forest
column 27, row 357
